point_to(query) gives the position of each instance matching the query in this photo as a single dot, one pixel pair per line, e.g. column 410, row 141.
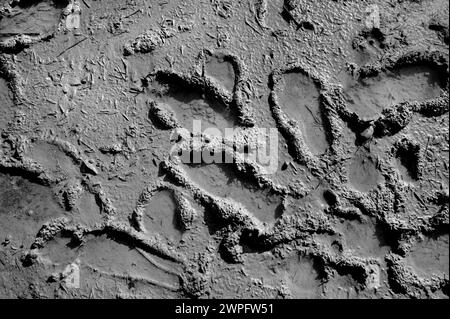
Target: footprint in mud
column 161, row 216
column 221, row 180
column 221, row 71
column 189, row 103
column 363, row 173
column 32, row 17
column 24, row 207
column 430, row 256
column 299, row 100
column 113, row 257
column 368, row 96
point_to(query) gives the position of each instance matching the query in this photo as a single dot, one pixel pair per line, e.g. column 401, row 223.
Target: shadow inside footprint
column 189, row 102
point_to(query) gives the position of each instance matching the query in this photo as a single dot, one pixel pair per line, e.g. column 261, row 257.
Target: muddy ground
column 94, row 203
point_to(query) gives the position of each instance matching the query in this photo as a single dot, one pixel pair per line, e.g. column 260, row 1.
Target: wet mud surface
column 98, row 101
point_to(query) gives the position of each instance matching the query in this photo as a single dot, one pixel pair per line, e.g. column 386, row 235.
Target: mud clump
column 162, row 115
column 148, row 41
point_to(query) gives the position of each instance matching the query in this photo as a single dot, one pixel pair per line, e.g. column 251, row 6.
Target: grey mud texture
column 94, row 95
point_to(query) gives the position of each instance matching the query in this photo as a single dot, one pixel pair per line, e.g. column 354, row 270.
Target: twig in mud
column 317, row 121
column 132, row 14
column 425, row 156
column 253, row 28
column 86, row 4
column 419, row 199
column 336, row 165
column 154, row 263
column 72, row 46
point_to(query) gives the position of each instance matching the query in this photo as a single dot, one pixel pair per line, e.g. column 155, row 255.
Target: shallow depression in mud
column 363, row 173
column 297, row 272
column 430, row 256
column 368, row 96
column 221, row 71
column 25, row 206
column 161, row 216
column 52, row 158
column 363, row 238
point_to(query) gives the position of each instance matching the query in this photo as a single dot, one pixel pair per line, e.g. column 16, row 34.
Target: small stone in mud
column 148, row 41
column 7, row 240
column 72, row 13
column 367, row 133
